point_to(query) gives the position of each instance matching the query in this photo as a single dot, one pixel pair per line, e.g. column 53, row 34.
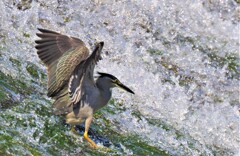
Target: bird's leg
column 73, row 129
column 85, row 135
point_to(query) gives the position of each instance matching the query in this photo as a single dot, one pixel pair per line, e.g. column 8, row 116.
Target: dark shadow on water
column 97, row 138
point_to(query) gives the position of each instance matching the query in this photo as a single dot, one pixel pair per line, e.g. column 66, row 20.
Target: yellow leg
column 74, row 130
column 85, row 135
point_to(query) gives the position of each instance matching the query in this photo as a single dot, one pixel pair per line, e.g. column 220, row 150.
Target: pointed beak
column 120, row 85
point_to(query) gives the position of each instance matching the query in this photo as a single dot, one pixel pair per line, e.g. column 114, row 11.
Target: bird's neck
column 105, row 90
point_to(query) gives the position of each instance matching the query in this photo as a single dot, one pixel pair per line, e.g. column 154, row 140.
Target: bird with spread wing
column 71, row 84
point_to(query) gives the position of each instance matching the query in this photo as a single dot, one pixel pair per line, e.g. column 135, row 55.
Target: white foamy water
column 173, row 54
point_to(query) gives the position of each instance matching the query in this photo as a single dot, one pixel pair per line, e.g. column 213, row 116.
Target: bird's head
column 112, row 81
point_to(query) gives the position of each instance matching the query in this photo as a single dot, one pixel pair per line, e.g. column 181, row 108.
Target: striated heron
column 70, row 78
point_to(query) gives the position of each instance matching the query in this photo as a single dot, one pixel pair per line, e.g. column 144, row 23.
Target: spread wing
column 61, row 54
column 83, row 75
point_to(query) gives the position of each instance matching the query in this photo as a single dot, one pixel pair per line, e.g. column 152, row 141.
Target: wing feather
column 61, row 54
column 83, row 75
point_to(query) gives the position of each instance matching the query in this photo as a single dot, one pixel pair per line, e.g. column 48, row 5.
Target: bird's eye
column 115, row 81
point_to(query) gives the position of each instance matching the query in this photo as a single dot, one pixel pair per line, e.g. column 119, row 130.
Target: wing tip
column 46, row 31
column 101, row 43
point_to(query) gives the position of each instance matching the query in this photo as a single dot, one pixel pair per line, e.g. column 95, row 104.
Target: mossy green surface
column 15, row 85
column 155, row 51
column 26, row 35
column 32, row 70
column 232, row 62
column 15, row 62
column 130, row 141
column 30, row 128
column 9, row 88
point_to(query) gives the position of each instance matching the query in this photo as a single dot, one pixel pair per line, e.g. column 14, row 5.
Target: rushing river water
column 181, row 58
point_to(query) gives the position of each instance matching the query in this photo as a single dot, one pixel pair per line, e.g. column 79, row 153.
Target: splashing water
column 179, row 57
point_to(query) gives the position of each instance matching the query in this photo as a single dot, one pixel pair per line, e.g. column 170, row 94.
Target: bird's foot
column 74, row 131
column 92, row 143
